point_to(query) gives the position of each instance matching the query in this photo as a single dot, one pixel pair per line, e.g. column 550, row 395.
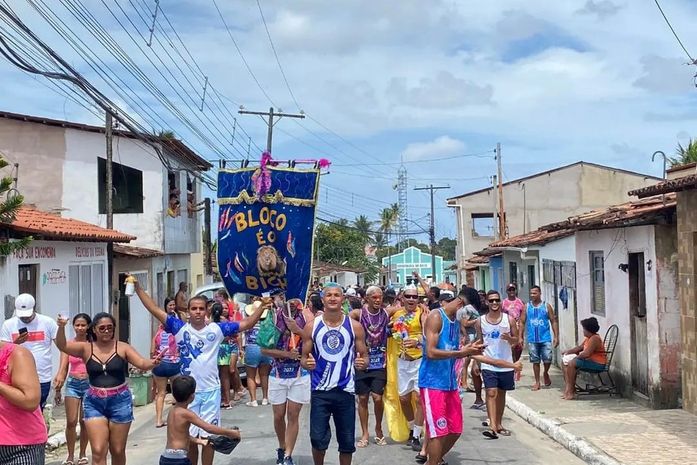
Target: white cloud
column 666, row 75
column 442, row 91
column 440, row 147
column 602, row 8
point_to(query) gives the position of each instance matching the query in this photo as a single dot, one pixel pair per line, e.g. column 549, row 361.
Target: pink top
column 513, row 307
column 33, row 429
column 77, row 366
column 166, row 342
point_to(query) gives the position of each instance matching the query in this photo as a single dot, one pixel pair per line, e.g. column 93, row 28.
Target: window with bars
column 86, row 288
column 597, row 275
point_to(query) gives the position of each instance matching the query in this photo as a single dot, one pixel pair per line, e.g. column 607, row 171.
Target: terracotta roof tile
column 537, row 237
column 33, row 221
column 671, row 185
column 644, row 211
column 136, row 252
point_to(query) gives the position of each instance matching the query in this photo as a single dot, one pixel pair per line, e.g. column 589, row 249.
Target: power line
column 692, row 60
column 239, row 52
column 278, row 61
column 467, row 155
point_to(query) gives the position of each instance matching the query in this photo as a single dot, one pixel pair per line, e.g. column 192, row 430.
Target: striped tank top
column 333, row 349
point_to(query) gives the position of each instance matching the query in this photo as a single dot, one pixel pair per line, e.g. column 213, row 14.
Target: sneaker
column 265, row 402
column 280, row 455
column 415, row 444
column 288, row 461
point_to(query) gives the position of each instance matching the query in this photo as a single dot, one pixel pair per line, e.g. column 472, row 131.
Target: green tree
column 8, row 210
column 363, row 225
column 446, row 248
column 343, row 245
column 685, row 155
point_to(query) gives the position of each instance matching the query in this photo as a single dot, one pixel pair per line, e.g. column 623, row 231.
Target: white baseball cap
column 350, row 291
column 24, row 305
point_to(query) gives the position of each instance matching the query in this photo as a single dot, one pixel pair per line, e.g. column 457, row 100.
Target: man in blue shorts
column 540, row 326
column 199, row 342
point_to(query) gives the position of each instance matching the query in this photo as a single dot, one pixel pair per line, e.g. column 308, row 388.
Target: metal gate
column 559, row 290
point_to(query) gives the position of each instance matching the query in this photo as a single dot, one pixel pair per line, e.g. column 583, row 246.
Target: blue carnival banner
column 265, row 228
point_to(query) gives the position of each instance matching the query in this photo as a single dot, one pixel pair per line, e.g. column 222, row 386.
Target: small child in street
column 179, row 420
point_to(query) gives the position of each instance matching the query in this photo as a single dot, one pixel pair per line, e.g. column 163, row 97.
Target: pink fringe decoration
column 262, row 183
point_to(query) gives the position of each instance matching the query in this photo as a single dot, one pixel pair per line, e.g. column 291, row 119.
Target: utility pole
column 502, row 212
column 207, row 247
column 271, row 122
column 432, row 229
column 109, row 124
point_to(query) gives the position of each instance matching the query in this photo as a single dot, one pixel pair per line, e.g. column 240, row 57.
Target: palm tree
column 8, row 209
column 363, row 225
column 685, row 155
column 389, row 217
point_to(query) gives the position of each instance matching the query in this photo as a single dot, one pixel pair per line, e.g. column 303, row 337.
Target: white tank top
column 495, row 346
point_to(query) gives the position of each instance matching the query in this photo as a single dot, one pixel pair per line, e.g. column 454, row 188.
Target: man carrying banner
column 198, row 342
column 289, row 383
column 330, row 346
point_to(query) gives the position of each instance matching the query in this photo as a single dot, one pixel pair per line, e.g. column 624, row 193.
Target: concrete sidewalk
column 607, row 430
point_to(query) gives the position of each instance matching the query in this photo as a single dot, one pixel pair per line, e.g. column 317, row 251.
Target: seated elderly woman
column 590, row 355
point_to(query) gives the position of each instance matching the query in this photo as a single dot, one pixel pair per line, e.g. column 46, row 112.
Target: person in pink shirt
column 513, row 306
column 75, row 389
column 20, row 393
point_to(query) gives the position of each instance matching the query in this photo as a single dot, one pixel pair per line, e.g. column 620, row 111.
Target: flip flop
column 490, row 434
column 478, row 406
column 83, row 461
column 380, row 441
column 362, row 443
column 67, row 462
column 156, row 426
column 420, row 458
column 504, row 432
column 485, row 423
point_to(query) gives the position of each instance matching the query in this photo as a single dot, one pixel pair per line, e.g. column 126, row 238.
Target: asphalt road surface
column 526, row 445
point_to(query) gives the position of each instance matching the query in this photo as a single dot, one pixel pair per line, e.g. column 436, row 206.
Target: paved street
column 526, row 446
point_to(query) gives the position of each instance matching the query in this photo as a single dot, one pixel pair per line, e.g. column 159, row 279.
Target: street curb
column 578, row 446
column 144, row 413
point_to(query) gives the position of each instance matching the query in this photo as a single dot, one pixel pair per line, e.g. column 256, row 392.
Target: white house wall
column 81, row 185
column 53, row 286
column 616, row 245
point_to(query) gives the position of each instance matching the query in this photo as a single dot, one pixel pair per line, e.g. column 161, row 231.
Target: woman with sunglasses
column 108, row 406
column 75, row 390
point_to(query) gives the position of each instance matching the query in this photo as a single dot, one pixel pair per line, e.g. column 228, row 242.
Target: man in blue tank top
column 438, row 381
column 541, row 329
column 333, row 345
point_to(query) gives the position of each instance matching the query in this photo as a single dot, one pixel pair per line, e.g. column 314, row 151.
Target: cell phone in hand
column 23, row 331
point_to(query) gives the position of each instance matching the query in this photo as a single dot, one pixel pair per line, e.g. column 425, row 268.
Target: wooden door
column 637, row 316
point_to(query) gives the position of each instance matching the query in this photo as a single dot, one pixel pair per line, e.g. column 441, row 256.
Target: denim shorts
column 166, row 370
column 117, row 408
column 76, row 387
column 503, row 380
column 540, row 352
column 253, row 357
column 338, row 404
column 588, row 365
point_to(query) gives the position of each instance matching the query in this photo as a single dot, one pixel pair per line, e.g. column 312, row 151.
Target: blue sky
column 554, row 82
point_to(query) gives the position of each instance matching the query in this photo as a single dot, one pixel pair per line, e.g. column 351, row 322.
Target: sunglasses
column 494, row 301
column 105, row 328
column 411, row 296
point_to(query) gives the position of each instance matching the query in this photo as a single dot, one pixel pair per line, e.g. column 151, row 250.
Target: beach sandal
column 420, row 458
column 252, row 403
column 380, row 441
column 477, row 406
column 164, row 423
column 84, row 460
column 490, row 434
column 362, row 443
column 485, row 423
column 504, row 432
column 68, row 462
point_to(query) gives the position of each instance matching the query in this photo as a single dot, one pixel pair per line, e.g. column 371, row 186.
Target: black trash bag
column 223, row 444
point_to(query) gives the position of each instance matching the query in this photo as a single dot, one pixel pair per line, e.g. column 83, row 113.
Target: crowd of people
column 335, row 352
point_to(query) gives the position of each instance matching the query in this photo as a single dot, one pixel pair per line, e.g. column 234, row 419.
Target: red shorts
column 442, row 412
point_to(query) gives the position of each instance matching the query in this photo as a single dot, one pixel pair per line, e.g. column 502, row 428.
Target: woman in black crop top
column 108, row 405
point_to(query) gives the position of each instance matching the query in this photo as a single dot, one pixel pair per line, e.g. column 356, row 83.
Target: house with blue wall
column 401, row 266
